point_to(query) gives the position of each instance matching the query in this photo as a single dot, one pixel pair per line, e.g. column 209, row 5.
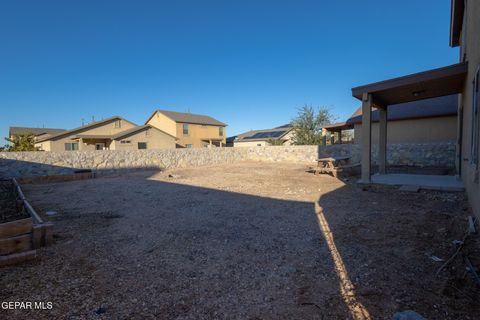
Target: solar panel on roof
column 266, row 135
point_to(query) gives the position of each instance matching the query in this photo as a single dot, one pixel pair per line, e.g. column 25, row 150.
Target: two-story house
column 191, row 130
column 114, row 133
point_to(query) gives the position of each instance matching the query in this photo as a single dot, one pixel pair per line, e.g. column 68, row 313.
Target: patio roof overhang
column 212, row 139
column 92, row 136
column 338, row 127
column 456, row 21
column 424, row 85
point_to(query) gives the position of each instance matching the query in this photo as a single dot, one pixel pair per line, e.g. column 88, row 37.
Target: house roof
column 15, row 131
column 230, row 139
column 423, row 85
column 188, row 118
column 138, row 129
column 83, row 128
column 265, row 134
column 339, row 126
column 428, row 108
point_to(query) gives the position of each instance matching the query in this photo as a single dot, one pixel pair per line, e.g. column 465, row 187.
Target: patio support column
column 366, row 136
column 340, row 137
column 382, row 140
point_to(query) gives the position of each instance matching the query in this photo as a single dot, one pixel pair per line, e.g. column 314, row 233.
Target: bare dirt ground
column 243, row 241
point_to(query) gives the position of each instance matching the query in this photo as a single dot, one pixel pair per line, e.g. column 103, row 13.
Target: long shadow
column 132, row 247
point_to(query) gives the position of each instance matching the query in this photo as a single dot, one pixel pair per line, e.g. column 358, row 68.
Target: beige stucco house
column 261, row 138
column 461, row 79
column 423, row 121
column 114, row 133
column 191, row 130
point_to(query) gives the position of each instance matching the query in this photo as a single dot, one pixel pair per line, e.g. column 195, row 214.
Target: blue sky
column 249, row 63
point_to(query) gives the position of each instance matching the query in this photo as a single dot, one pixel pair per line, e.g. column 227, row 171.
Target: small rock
column 101, row 310
column 51, row 213
column 407, row 315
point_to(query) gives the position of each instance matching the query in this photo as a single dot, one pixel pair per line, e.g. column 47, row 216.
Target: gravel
column 238, row 241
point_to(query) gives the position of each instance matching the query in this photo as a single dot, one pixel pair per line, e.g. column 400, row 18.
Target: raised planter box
column 78, row 175
column 19, row 239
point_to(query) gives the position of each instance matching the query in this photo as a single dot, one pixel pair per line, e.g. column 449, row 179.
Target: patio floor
column 432, row 182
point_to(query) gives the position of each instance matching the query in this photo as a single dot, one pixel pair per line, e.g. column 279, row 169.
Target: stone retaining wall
column 24, row 164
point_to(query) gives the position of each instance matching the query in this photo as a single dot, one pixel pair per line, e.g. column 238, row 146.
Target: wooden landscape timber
column 19, row 239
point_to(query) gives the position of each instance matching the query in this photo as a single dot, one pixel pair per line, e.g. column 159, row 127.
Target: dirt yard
column 243, row 241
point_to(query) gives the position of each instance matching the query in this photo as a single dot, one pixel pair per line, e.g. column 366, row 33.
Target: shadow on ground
column 138, row 246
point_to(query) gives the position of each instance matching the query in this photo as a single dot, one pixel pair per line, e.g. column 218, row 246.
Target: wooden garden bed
column 20, row 237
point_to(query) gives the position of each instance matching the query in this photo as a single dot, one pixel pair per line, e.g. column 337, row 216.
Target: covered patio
column 96, row 142
column 336, row 131
column 424, row 85
column 212, row 143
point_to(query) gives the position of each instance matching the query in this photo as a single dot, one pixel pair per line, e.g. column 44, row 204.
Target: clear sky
column 249, row 63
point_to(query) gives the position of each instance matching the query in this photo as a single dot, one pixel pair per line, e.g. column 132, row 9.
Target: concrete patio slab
column 431, row 182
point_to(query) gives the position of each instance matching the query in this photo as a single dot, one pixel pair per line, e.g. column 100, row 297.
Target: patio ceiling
column 338, row 127
column 428, row 84
column 92, row 136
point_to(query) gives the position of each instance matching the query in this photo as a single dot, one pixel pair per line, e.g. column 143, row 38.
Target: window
column 474, row 131
column 71, row 146
column 185, row 129
column 220, row 131
column 142, row 145
column 189, row 145
column 125, row 141
column 118, row 123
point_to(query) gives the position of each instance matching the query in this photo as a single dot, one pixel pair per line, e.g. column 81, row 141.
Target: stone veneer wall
column 18, row 164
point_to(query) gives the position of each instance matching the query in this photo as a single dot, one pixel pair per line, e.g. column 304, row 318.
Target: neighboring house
column 229, row 141
column 260, row 138
column 38, row 133
column 430, row 120
column 191, row 130
column 462, row 78
column 114, row 133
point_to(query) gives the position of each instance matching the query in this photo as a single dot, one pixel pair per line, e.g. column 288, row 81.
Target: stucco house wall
column 470, row 51
column 162, row 122
column 109, row 128
column 197, row 133
column 241, row 144
column 154, row 138
column 438, row 129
